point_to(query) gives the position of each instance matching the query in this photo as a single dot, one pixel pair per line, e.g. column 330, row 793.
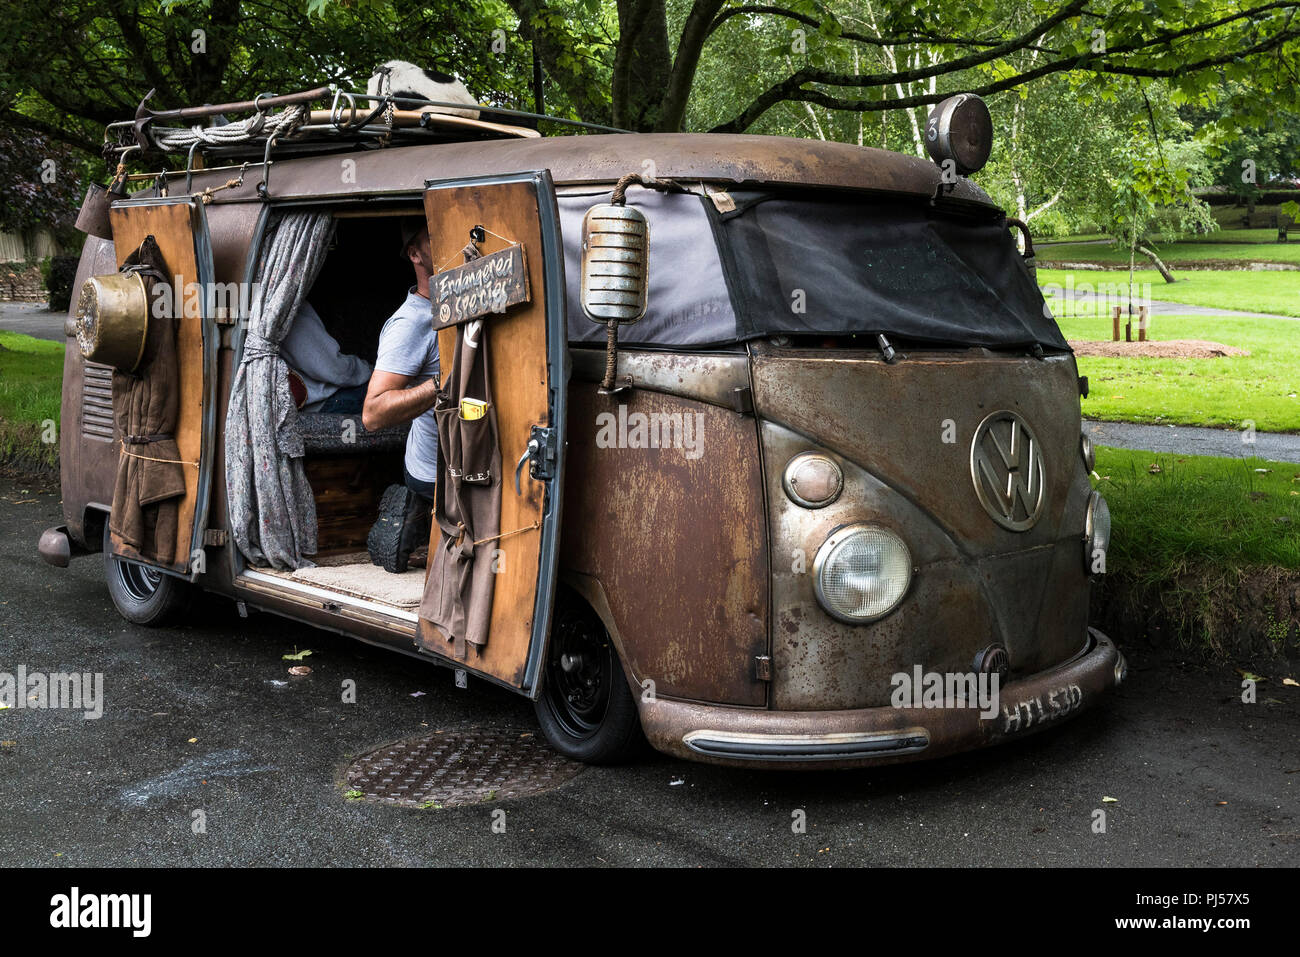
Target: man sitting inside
column 403, row 388
column 327, row 380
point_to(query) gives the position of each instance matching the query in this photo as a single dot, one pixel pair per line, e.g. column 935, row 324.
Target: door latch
column 541, row 456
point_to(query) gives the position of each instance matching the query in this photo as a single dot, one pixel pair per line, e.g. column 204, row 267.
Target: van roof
column 602, row 158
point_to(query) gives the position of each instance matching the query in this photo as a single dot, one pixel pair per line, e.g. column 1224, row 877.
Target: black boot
column 402, row 527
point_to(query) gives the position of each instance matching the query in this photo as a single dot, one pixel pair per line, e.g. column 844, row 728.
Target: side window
column 688, row 302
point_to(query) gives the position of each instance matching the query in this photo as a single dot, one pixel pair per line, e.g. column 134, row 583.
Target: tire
column 586, row 708
column 143, row 595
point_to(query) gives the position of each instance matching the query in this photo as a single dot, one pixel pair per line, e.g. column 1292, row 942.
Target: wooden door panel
column 521, row 366
column 181, row 233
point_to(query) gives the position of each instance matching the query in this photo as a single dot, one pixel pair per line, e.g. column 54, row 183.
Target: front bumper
column 744, row 737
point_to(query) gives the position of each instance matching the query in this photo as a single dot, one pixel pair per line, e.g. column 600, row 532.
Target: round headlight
column 812, row 480
column 1096, row 533
column 861, row 573
column 1088, row 452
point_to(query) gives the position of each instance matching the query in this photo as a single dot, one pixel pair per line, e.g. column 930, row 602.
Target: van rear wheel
column 144, row 595
column 586, row 708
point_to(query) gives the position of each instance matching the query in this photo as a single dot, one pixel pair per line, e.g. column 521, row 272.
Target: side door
column 180, row 228
column 528, row 363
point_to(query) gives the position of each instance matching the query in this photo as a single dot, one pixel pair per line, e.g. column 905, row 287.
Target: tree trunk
column 642, row 65
column 1164, row 270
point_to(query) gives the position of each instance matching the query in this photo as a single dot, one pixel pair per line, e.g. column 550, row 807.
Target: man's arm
column 392, row 399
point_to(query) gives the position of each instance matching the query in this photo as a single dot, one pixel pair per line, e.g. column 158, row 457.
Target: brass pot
column 112, row 321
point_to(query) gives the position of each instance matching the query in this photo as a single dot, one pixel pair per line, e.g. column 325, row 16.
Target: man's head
column 415, row 249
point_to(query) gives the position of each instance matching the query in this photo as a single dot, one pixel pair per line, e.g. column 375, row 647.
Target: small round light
column 861, row 573
column 960, row 129
column 812, row 480
column 1089, row 453
column 1096, row 534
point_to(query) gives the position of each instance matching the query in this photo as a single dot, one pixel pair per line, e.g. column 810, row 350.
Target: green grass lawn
column 1275, row 292
column 1198, row 510
column 1203, row 550
column 31, row 381
column 1263, row 387
column 1077, row 238
column 1246, row 249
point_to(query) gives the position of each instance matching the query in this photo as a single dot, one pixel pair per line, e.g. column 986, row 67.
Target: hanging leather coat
column 150, row 478
column 467, row 500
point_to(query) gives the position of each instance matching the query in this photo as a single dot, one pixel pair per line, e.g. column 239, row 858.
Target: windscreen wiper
column 891, row 354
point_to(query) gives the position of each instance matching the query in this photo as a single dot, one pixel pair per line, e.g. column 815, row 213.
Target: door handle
column 533, row 446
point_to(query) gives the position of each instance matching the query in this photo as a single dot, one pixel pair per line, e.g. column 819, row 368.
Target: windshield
column 821, row 266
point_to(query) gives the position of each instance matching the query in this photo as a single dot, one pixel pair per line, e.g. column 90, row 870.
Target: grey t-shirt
column 408, row 345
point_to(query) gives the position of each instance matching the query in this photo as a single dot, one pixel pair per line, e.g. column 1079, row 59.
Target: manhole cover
column 451, row 768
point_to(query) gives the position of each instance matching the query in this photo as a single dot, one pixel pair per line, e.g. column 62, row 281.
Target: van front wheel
column 143, row 595
column 585, row 707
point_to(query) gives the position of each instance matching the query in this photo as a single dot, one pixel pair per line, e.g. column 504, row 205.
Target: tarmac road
column 1199, row 777
column 33, row 319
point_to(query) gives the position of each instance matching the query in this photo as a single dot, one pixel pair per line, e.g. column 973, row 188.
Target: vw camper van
column 752, row 442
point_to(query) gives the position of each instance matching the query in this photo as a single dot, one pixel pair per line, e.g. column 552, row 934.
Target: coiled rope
column 278, row 125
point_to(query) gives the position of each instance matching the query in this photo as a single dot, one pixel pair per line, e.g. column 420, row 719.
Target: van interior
column 364, row 279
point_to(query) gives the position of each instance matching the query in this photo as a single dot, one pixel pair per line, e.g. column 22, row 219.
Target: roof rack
column 288, row 126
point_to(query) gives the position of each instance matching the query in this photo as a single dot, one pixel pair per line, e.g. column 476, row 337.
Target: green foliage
column 1196, row 510
column 1105, row 117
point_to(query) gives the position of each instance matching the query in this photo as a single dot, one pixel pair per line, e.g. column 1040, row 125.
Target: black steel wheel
column 144, row 595
column 585, row 708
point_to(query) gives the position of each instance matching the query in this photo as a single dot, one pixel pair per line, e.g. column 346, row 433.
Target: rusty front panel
column 87, row 444
column 822, row 664
column 892, row 420
column 713, row 377
column 730, row 159
column 678, row 544
column 1026, row 589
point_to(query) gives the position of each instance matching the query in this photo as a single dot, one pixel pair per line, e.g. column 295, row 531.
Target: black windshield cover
column 838, row 267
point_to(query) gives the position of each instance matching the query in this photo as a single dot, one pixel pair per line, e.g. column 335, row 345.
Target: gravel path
column 1194, row 440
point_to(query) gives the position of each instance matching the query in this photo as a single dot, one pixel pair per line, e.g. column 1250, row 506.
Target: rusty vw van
column 782, row 425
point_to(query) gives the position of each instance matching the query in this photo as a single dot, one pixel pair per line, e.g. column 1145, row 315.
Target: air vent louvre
column 97, row 402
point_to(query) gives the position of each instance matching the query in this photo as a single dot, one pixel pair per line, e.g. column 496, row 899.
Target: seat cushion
column 339, row 433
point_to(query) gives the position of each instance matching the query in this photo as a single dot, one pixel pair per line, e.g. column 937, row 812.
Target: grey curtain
column 272, row 511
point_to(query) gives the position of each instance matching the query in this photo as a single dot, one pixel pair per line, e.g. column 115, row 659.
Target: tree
column 1141, row 179
column 68, row 69
column 40, row 183
column 634, row 63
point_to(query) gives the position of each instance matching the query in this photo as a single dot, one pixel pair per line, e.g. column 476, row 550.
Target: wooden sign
column 490, row 284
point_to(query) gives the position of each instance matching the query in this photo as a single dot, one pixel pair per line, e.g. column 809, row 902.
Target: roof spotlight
column 960, row 129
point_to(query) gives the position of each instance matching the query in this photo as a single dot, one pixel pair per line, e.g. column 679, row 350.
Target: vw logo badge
column 1006, row 466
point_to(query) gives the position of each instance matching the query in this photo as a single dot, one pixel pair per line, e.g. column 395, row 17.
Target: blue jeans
column 419, row 487
column 346, row 401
